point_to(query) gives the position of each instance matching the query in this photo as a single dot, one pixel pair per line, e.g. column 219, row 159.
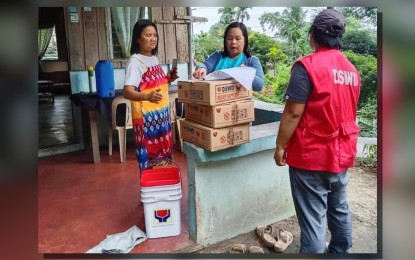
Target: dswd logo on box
column 162, row 216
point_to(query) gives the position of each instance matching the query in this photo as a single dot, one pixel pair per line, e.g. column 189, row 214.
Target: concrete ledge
column 234, row 190
column 362, row 141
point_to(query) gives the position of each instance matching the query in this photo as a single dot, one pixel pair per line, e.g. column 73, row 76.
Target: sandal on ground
column 264, row 232
column 285, row 235
column 284, row 239
column 256, row 250
column 238, row 249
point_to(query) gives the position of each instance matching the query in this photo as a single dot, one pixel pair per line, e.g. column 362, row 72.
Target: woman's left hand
column 172, row 75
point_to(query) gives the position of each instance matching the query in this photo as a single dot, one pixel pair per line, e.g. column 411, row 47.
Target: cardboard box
column 222, row 115
column 214, row 139
column 211, row 92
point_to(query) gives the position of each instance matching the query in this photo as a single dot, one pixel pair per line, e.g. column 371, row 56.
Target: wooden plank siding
column 88, row 38
column 157, row 14
column 169, row 35
column 75, row 42
column 175, row 36
column 102, row 35
column 91, row 42
column 182, row 37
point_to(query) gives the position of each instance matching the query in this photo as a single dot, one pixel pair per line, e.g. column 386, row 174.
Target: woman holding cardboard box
column 235, row 53
column 146, row 85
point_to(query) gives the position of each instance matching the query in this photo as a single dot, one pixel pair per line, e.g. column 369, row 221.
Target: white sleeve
column 133, row 73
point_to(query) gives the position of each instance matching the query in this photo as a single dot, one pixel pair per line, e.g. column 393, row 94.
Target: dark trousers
column 320, row 200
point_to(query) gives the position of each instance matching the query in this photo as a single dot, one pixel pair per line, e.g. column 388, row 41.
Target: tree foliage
column 275, row 86
column 366, row 14
column 360, row 42
column 227, row 15
column 289, row 26
column 367, row 67
column 218, row 29
column 367, row 115
column 232, row 14
column 205, row 44
column 282, row 80
column 260, row 44
column 276, row 55
column 242, row 14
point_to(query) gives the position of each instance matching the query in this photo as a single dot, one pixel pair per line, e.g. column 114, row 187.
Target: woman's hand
column 199, row 73
column 172, row 75
column 279, row 156
column 154, row 96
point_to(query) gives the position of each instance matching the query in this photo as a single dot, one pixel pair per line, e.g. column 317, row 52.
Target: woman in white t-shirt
column 146, row 85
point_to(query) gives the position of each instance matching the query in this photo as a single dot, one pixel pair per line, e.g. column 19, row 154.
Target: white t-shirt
column 136, row 66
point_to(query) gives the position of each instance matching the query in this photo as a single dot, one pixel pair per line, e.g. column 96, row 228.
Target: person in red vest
column 317, row 137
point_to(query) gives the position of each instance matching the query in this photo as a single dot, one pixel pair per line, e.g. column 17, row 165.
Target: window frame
column 53, row 37
column 118, row 62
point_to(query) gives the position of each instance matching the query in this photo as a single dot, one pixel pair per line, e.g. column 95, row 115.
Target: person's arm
column 207, row 66
column 258, row 82
column 132, row 79
column 289, row 122
column 298, row 91
column 154, row 96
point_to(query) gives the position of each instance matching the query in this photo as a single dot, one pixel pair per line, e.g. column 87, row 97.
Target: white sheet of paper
column 244, row 75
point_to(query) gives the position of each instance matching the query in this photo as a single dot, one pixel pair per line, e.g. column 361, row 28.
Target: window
column 122, row 21
column 51, row 52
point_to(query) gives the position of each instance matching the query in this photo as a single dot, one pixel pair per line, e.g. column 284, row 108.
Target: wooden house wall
column 88, row 43
column 172, row 27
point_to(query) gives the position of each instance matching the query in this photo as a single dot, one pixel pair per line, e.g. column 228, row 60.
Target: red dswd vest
column 326, row 136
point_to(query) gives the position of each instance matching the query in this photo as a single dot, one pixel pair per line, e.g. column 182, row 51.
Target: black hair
column 324, row 39
column 138, row 29
column 241, row 26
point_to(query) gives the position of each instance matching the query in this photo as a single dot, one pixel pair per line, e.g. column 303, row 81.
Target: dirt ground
column 362, row 198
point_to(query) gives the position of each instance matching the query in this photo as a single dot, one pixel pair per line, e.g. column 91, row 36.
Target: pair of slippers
column 278, row 239
column 241, row 249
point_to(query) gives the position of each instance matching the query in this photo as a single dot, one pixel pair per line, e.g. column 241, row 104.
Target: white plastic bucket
column 161, row 203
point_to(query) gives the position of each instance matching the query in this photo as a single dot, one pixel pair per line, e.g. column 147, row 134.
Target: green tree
column 359, row 37
column 242, row 14
column 228, row 15
column 232, row 14
column 367, row 14
column 367, row 116
column 360, row 42
column 270, row 19
column 260, row 44
column 281, row 82
column 218, row 29
column 275, row 55
column 289, row 27
column 367, row 67
column 205, row 44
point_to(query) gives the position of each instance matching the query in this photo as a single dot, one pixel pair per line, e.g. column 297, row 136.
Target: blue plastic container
column 104, row 76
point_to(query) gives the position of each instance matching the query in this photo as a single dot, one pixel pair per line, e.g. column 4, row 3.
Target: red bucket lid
column 160, row 177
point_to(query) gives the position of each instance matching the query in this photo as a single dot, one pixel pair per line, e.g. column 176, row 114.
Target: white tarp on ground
column 122, row 242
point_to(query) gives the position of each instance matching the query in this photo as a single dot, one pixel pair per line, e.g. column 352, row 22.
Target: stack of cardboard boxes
column 217, row 113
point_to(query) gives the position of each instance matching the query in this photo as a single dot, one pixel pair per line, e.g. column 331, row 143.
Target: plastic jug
column 104, row 75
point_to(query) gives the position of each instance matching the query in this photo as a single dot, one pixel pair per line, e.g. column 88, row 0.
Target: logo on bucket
column 162, row 216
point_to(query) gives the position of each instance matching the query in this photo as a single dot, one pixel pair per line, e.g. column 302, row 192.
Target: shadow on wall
column 266, row 116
